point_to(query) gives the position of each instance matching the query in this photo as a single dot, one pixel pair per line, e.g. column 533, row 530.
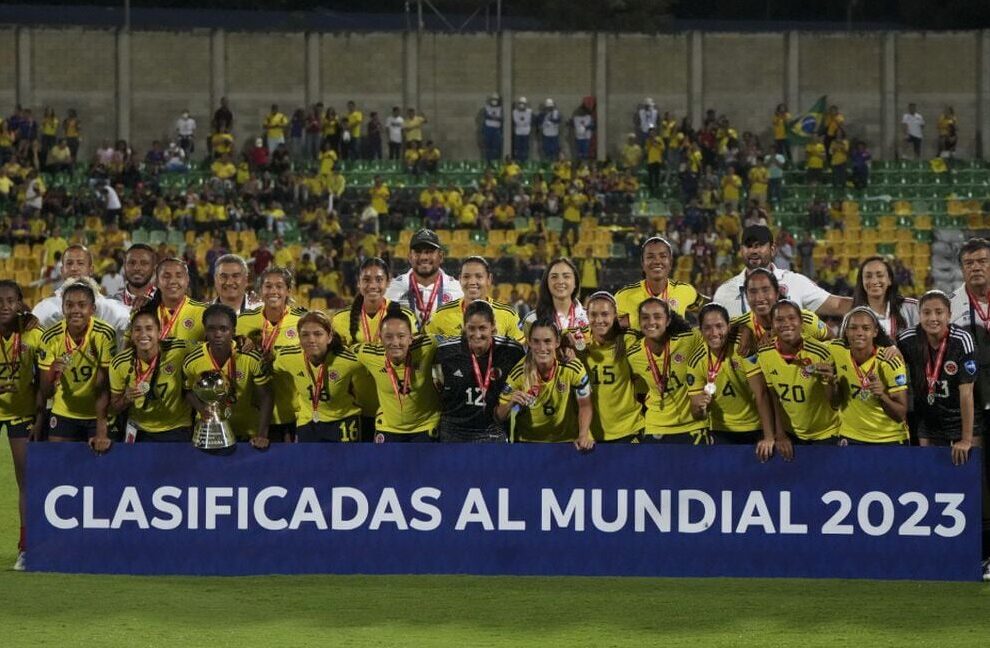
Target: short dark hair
column 220, row 309
column 974, row 244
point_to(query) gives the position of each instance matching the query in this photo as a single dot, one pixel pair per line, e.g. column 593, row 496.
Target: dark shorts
column 367, row 429
column 176, row 435
column 846, row 441
column 449, row 433
column 281, row 432
column 632, row 438
column 347, row 429
column 394, row 437
column 939, row 436
column 724, row 437
column 69, row 428
column 832, row 441
column 699, row 437
column 16, row 430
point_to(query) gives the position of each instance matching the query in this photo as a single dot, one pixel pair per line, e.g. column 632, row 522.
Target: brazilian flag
column 807, row 123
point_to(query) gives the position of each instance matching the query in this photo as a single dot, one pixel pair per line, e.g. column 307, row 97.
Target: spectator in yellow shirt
column 467, row 218
column 412, row 127
column 328, row 158
column 731, row 188
column 834, row 121
column 947, row 131
column 632, row 152
column 411, row 158
column 575, row 204
column 224, row 169
column 655, row 147
column 780, row 120
column 354, row 119
column 759, row 179
column 380, row 195
column 814, row 154
column 510, row 171
column 840, row 159
column 428, row 195
column 505, row 216
column 274, row 125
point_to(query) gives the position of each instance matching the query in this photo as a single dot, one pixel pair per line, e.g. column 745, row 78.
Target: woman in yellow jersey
column 74, row 361
column 19, row 412
column 557, row 301
column 249, row 401
column 657, row 260
column 660, row 359
column 762, row 292
column 780, row 120
column 269, row 328
column 401, row 366
column 180, row 317
column 540, row 389
column 801, row 376
column 871, row 391
column 618, row 415
column 146, row 382
column 319, row 372
column 476, row 282
column 70, row 128
column 362, row 323
column 727, row 389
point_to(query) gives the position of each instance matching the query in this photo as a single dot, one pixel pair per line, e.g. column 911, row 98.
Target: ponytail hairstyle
column 789, row 304
column 935, row 294
column 157, row 298
column 532, row 372
column 25, row 319
column 615, row 333
column 395, row 312
column 762, row 272
column 146, row 311
column 480, row 307
column 320, row 318
column 881, row 340
column 358, row 304
column 675, row 323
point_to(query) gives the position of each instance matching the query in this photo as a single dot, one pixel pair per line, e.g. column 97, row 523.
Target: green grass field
column 55, row 610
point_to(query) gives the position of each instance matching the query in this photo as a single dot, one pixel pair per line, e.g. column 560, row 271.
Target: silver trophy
column 212, row 432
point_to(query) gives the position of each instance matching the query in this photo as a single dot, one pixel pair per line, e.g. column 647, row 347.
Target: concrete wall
column 134, row 87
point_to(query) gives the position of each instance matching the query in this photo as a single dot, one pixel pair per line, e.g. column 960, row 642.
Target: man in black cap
column 757, row 251
column 425, row 287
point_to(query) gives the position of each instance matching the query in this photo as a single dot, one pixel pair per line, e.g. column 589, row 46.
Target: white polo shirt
column 522, row 120
column 793, row 285
column 398, row 291
column 115, row 313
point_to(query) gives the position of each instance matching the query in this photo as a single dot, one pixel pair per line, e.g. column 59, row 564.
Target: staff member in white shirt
column 758, row 251
column 492, row 128
column 77, row 264
column 914, row 128
column 646, row 117
column 394, row 125
column 522, row 127
column 185, row 131
column 425, row 287
column 549, row 120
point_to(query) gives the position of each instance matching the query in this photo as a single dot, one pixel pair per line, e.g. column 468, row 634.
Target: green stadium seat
column 140, row 236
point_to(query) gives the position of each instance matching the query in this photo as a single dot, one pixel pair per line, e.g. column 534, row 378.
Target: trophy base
column 214, row 436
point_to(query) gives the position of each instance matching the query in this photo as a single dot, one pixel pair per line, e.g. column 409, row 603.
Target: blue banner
column 856, row 512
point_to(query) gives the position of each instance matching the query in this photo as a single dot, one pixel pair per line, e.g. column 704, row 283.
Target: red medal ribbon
column 366, row 325
column 168, row 323
column 661, row 295
column 539, row 376
column 864, row 376
column 570, row 319
column 982, row 314
column 757, row 327
column 231, row 371
column 483, row 383
column 13, row 360
column 406, row 378
column 318, row 381
column 713, row 369
column 425, row 309
column 658, row 378
column 269, row 333
column 932, row 373
column 794, row 356
column 140, row 377
column 70, row 348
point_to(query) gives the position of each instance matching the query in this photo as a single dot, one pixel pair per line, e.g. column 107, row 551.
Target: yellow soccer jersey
column 164, row 407
column 802, row 396
column 617, row 413
column 417, row 406
column 553, row 417
column 249, row 373
column 448, row 321
column 365, row 330
column 184, row 324
column 733, row 407
column 669, row 413
column 265, row 335
column 336, row 400
column 812, row 326
column 861, row 413
column 680, row 297
column 77, row 389
column 18, row 355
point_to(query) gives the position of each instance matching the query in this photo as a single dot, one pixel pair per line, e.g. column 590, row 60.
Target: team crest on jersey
column 678, row 358
column 169, row 369
column 291, row 333
column 561, row 387
column 673, row 303
column 238, row 374
column 951, row 368
column 900, row 380
column 188, row 323
column 690, row 379
column 333, row 376
column 444, row 298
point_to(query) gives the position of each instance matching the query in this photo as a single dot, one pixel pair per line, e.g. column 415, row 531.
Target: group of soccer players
column 426, row 356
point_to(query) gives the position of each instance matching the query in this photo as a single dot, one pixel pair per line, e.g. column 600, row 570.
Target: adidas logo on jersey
column 458, row 373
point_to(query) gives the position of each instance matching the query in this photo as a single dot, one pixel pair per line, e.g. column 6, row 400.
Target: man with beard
column 77, row 263
column 758, row 250
column 425, row 287
column 230, row 279
column 139, row 269
column 657, row 258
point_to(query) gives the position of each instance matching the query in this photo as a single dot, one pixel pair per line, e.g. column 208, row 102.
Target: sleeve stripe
column 964, row 337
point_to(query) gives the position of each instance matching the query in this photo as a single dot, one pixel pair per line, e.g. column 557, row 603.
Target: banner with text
column 855, row 512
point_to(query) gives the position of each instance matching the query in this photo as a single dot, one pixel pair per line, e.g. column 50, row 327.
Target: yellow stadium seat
column 497, row 237
column 23, row 277
column 974, row 220
column 318, row 303
column 22, row 251
column 923, row 222
column 833, row 235
column 404, row 237
column 887, row 222
column 525, row 289
column 850, row 208
column 502, row 291
column 904, row 234
column 904, row 249
column 871, row 235
column 902, row 208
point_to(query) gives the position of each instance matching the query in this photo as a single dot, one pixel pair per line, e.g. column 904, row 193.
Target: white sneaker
column 986, row 570
column 21, row 563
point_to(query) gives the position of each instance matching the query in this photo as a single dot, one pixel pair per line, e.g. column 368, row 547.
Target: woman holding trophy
column 247, row 401
column 146, row 381
column 320, row 372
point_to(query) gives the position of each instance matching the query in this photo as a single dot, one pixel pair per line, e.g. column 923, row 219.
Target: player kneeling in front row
column 550, row 397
